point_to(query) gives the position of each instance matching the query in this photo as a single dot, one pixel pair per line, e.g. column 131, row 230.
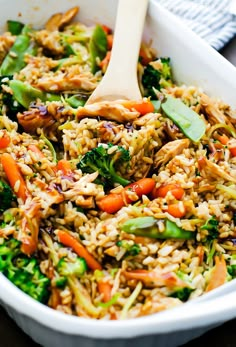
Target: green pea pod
column 148, row 227
column 97, row 47
column 74, row 101
column 15, row 59
column 25, row 94
column 184, row 117
column 157, row 105
column 14, row 27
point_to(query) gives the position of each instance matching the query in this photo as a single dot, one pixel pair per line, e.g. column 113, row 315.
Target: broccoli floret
column 182, row 293
column 130, row 249
column 6, row 196
column 212, row 226
column 7, row 99
column 68, row 268
column 24, row 272
column 157, row 76
column 105, row 161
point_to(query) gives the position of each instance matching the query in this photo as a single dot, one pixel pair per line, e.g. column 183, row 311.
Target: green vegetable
column 24, row 272
column 12, row 106
column 230, row 190
column 25, row 94
column 182, row 293
column 50, row 146
column 15, row 59
column 97, row 47
column 157, row 105
column 106, row 162
column 130, row 249
column 148, row 227
column 232, row 270
column 212, row 226
column 75, row 101
column 14, row 27
column 110, row 302
column 184, row 117
column 156, row 78
column 6, row 196
column 68, row 268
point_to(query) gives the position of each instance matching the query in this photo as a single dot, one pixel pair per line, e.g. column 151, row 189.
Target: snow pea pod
column 15, row 59
column 14, row 27
column 184, row 117
column 25, row 94
column 148, row 227
column 97, row 47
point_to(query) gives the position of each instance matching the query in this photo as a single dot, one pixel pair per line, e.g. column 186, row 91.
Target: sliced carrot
column 176, row 211
column 4, row 139
column 105, row 289
column 113, row 202
column 35, row 149
column 109, row 41
column 168, row 279
column 162, row 191
column 219, row 274
column 106, row 29
column 233, row 151
column 69, row 241
column 145, row 56
column 14, row 176
column 142, row 106
column 64, row 166
column 223, row 139
column 104, row 63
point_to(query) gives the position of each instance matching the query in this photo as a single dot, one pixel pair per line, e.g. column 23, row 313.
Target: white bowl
column 194, row 63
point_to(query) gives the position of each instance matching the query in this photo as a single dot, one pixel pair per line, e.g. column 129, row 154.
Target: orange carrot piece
column 35, row 149
column 113, row 202
column 162, row 191
column 219, row 274
column 104, row 63
column 64, row 166
column 142, row 106
column 4, row 139
column 223, row 139
column 13, row 174
column 175, row 210
column 105, row 289
column 109, row 41
column 233, row 151
column 106, row 29
column 69, row 241
column 168, row 279
column 145, row 56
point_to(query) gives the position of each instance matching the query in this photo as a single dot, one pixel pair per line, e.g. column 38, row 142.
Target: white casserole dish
column 194, row 63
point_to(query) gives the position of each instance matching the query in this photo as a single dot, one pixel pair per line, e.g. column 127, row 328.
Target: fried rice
column 136, row 274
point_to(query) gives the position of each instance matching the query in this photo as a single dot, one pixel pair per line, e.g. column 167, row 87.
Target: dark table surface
column 224, row 336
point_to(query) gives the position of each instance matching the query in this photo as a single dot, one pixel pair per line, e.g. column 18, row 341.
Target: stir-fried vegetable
column 71, row 268
column 148, row 227
column 24, row 272
column 25, row 94
column 14, row 27
column 98, row 47
column 130, row 249
column 218, row 275
column 15, row 59
column 14, row 176
column 6, row 196
column 67, row 240
column 184, row 117
column 106, row 160
column 113, row 202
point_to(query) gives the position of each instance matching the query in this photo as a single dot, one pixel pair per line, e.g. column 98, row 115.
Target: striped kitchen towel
column 210, row 19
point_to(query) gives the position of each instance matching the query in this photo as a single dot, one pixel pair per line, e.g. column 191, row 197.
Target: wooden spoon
column 120, row 80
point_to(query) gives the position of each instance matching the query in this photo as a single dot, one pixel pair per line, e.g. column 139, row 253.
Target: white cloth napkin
column 210, row 19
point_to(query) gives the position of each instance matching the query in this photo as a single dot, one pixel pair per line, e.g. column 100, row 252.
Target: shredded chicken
column 67, row 81
column 47, row 118
column 213, row 170
column 112, row 110
column 170, row 150
column 213, row 113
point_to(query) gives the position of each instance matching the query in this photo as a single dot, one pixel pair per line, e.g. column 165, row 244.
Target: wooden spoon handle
column 120, row 80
